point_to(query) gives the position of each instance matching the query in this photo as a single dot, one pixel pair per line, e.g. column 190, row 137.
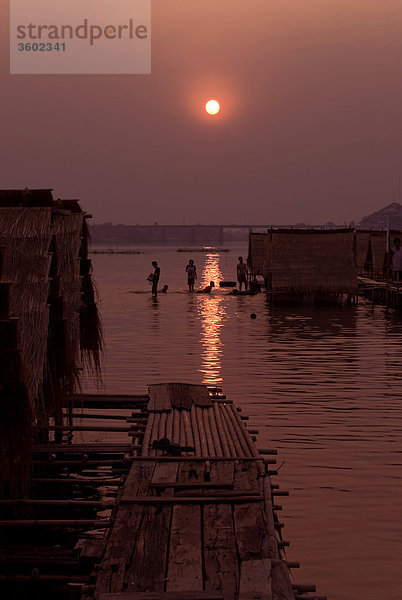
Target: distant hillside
column 378, row 220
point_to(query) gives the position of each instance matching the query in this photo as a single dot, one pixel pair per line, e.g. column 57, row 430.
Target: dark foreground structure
column 182, row 508
column 187, row 510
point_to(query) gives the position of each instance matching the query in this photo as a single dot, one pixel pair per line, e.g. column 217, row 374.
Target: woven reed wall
column 361, row 248
column 378, row 244
column 312, row 263
column 25, row 234
column 256, row 256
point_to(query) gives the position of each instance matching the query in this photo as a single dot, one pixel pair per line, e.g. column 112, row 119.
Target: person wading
column 191, row 270
column 242, row 273
column 155, row 278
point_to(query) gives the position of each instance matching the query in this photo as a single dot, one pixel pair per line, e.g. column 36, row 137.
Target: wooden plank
column 203, row 458
column 184, row 395
column 185, row 552
column 200, row 395
column 185, row 558
column 122, row 538
column 281, row 582
column 180, row 396
column 220, row 552
column 147, row 567
column 272, row 541
column 255, row 580
column 231, row 499
column 249, row 518
column 191, row 485
column 159, row 398
column 188, row 595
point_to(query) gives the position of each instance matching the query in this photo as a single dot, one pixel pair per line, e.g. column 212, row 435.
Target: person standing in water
column 396, row 254
column 155, row 278
column 242, row 273
column 191, row 271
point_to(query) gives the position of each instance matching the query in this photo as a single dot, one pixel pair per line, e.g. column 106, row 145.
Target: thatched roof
column 311, row 262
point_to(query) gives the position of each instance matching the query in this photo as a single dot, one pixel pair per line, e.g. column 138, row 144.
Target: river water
column 323, row 385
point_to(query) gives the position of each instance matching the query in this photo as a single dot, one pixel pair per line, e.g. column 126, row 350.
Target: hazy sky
column 310, row 127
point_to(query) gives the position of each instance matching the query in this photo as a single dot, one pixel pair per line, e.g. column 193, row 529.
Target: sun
column 212, row 107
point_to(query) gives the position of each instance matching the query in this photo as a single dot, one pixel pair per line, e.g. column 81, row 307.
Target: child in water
column 191, row 271
column 207, row 289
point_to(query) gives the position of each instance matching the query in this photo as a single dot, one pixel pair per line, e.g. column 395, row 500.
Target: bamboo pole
column 74, row 480
column 53, row 578
column 99, row 448
column 154, row 434
column 118, row 428
column 83, row 415
column 232, row 433
column 195, row 431
column 245, row 441
column 232, row 449
column 176, row 426
column 208, row 431
column 187, row 427
column 215, row 434
column 169, row 426
column 81, row 463
column 95, row 523
column 47, row 502
column 201, row 429
column 147, row 435
column 221, row 431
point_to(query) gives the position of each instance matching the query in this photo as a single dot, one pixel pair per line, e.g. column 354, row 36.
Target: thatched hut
column 308, row 262
column 41, row 309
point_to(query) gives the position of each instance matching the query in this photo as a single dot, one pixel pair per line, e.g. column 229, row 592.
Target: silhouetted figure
column 207, row 289
column 396, row 253
column 155, row 278
column 191, row 271
column 170, row 448
column 163, row 290
column 242, row 273
column 255, row 287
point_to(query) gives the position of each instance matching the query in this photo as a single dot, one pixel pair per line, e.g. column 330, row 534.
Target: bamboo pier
column 386, row 293
column 184, row 509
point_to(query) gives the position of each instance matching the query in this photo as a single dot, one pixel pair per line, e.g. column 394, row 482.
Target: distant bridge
column 164, row 234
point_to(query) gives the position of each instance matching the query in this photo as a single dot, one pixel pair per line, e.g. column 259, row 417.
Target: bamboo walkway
column 388, row 294
column 185, row 510
column 198, row 523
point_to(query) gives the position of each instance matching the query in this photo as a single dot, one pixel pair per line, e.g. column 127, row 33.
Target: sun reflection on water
column 211, row 312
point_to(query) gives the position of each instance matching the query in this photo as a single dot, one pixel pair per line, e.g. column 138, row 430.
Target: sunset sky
column 309, row 128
